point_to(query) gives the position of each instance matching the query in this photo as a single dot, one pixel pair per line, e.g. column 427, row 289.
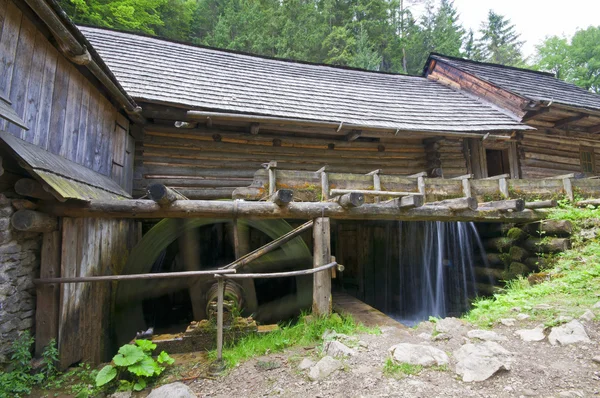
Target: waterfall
column 435, row 269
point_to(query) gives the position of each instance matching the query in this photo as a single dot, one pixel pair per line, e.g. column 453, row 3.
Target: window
column 588, row 162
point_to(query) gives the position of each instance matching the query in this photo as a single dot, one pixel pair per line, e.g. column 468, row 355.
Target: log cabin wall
column 211, row 163
column 68, row 115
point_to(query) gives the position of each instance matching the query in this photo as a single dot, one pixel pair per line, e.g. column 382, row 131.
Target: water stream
column 436, row 269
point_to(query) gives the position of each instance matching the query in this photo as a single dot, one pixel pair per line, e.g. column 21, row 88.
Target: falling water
column 436, row 269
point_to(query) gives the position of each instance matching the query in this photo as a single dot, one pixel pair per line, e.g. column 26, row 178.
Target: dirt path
column 537, row 369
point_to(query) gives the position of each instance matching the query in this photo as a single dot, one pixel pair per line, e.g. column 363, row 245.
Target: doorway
column 497, row 162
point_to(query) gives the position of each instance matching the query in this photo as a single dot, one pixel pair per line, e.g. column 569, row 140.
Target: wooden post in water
column 321, row 256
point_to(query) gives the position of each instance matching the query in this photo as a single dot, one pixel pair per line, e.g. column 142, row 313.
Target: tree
column 553, row 55
column 585, row 56
column 499, row 42
column 365, row 57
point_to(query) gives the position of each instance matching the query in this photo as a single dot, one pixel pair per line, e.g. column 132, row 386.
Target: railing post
column 321, row 256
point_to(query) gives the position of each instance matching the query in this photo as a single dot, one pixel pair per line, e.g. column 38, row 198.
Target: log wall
column 66, row 114
column 543, row 155
column 210, row 163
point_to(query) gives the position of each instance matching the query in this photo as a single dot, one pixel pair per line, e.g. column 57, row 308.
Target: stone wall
column 19, row 265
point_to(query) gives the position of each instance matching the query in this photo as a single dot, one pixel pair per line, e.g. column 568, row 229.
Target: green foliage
column 499, row 42
column 133, row 366
column 574, row 280
column 20, row 380
column 306, row 331
column 392, row 369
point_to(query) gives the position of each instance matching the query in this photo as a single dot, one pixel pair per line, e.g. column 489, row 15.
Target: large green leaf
column 146, row 345
column 165, row 358
column 147, row 367
column 128, row 355
column 139, row 385
column 106, row 374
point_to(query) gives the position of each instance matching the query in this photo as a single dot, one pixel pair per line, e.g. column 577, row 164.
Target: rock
column 326, row 366
column 336, row 349
column 542, row 307
column 588, row 316
column 486, row 335
column 522, row 317
column 478, row 362
column 563, row 319
column 417, row 354
column 448, row 325
column 305, row 364
column 122, row 394
column 596, row 359
column 508, row 321
column 424, row 336
column 570, row 394
column 329, row 335
column 569, row 333
column 173, row 390
column 535, row 334
column 441, row 336
column 363, row 344
column 516, row 309
column 597, row 305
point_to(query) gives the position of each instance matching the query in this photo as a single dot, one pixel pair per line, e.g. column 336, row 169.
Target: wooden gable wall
column 66, row 114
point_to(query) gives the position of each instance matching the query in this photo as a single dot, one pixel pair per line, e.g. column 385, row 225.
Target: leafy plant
column 20, row 380
column 134, row 366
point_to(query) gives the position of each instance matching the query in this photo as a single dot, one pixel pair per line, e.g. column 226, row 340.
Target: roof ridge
column 434, row 54
column 245, row 53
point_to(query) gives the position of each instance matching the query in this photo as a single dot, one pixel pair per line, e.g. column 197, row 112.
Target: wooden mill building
column 90, row 118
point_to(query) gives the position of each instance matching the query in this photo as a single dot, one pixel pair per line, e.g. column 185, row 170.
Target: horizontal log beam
column 467, row 203
column 163, row 195
column 32, row 189
column 370, row 192
column 568, row 120
column 407, row 202
column 147, row 209
column 33, row 221
column 352, row 199
column 541, row 204
column 133, row 277
column 282, row 197
column 510, row 204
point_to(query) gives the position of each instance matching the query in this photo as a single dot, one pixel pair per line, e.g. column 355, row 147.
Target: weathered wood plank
column 42, row 127
column 59, row 106
column 322, row 255
column 72, row 116
column 48, row 296
column 34, row 88
column 8, row 48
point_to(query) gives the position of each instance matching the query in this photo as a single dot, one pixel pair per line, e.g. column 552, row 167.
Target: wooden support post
column 322, row 255
column 32, row 189
column 48, row 296
column 568, row 189
column 466, row 184
column 254, row 128
column 324, row 183
column 504, row 205
column 376, row 182
column 220, row 293
column 407, row 202
column 503, row 187
column 349, row 200
column 271, row 166
column 33, row 221
column 163, row 195
column 282, row 197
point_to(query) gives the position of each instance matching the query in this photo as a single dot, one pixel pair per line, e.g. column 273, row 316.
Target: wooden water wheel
column 200, row 244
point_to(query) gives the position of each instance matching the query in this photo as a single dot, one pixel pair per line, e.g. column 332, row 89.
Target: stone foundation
column 19, row 265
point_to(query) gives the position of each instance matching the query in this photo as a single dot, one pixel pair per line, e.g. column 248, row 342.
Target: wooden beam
column 541, row 204
column 48, row 296
column 163, row 195
column 140, row 209
column 569, row 120
column 321, row 256
column 353, row 135
column 511, row 204
column 407, row 202
column 593, row 129
column 533, row 114
column 33, row 221
column 282, row 197
column 254, row 128
column 335, row 192
column 466, row 203
column 32, row 188
column 349, row 200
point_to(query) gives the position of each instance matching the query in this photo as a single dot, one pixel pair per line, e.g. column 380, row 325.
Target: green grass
column 392, row 369
column 300, row 334
column 573, row 287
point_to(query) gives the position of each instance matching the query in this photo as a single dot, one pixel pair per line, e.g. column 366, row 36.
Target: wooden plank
column 322, row 255
column 34, row 90
column 8, row 48
column 72, row 116
column 119, row 147
column 83, row 123
column 48, row 296
column 569, row 120
column 92, row 130
column 42, row 127
column 59, row 106
column 21, row 72
column 129, row 163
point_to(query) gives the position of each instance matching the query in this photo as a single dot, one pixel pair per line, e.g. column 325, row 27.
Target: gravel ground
column 538, row 370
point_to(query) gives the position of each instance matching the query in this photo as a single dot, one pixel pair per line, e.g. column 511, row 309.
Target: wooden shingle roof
column 529, row 84
column 161, row 71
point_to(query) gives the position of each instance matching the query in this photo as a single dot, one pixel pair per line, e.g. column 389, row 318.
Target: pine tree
column 365, row 57
column 499, row 42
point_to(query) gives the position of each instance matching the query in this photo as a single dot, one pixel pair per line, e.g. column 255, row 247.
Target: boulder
column 326, row 366
column 417, row 354
column 569, row 333
column 535, row 334
column 522, row 317
column 588, row 316
column 508, row 321
column 173, row 390
column 478, row 362
column 449, row 325
column 336, row 349
column 486, row 335
column 305, row 364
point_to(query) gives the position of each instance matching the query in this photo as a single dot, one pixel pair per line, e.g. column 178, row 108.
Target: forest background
column 381, row 35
